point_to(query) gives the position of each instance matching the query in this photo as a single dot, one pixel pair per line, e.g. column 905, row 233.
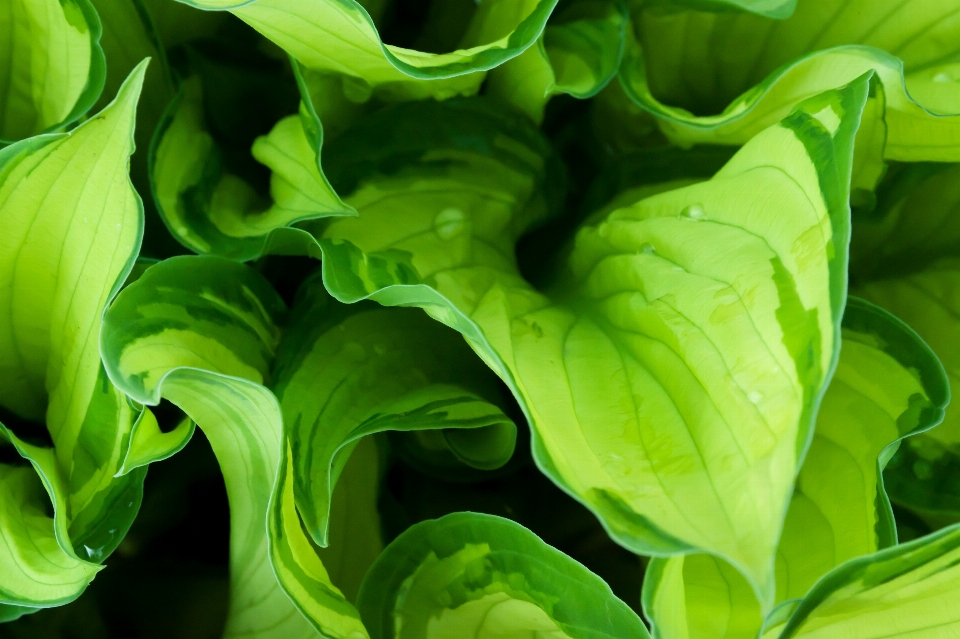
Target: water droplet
column 693, row 212
column 379, row 349
column 754, row 397
column 775, row 369
column 942, row 77
column 449, row 223
column 648, row 249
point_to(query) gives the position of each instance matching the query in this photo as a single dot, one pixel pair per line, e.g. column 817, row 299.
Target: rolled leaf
column 751, row 70
column 211, row 210
column 578, row 54
column 469, row 574
column 205, row 333
column 345, row 372
column 37, row 571
column 206, row 343
column 52, row 67
column 340, row 36
column 923, row 474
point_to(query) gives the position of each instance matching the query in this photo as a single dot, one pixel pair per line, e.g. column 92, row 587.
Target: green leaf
column 888, row 386
column 469, row 574
column 52, row 67
column 71, row 225
column 340, row 36
column 354, row 535
column 617, row 368
column 778, row 9
column 211, row 210
column 205, row 333
column 699, row 596
column 923, row 475
column 202, row 332
column 578, row 54
column 37, row 570
column 905, row 591
column 345, row 372
column 749, row 71
column 912, row 224
column 149, row 444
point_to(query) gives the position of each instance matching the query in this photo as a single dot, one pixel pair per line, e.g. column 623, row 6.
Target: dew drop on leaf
column 693, row 212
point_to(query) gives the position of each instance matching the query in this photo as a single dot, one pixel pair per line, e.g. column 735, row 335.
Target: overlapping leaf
column 747, row 71
column 468, row 574
column 642, row 403
column 70, row 228
column 905, row 591
column 52, row 68
column 340, row 36
column 922, row 476
column 211, row 210
column 578, row 54
column 205, row 333
column 888, row 386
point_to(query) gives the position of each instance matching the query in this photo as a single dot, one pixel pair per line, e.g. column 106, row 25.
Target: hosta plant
column 416, row 319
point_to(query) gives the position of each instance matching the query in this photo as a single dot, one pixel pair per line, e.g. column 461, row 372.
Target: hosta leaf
column 469, row 574
column 354, row 535
column 36, row 570
column 211, row 210
column 888, row 386
column 340, row 36
column 923, row 474
column 70, row 227
column 578, row 54
column 148, row 443
column 770, row 8
column 344, row 372
column 205, row 333
column 201, row 332
column 51, row 67
column 905, row 591
column 750, row 70
column 912, row 224
column 632, row 369
column 699, row 596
